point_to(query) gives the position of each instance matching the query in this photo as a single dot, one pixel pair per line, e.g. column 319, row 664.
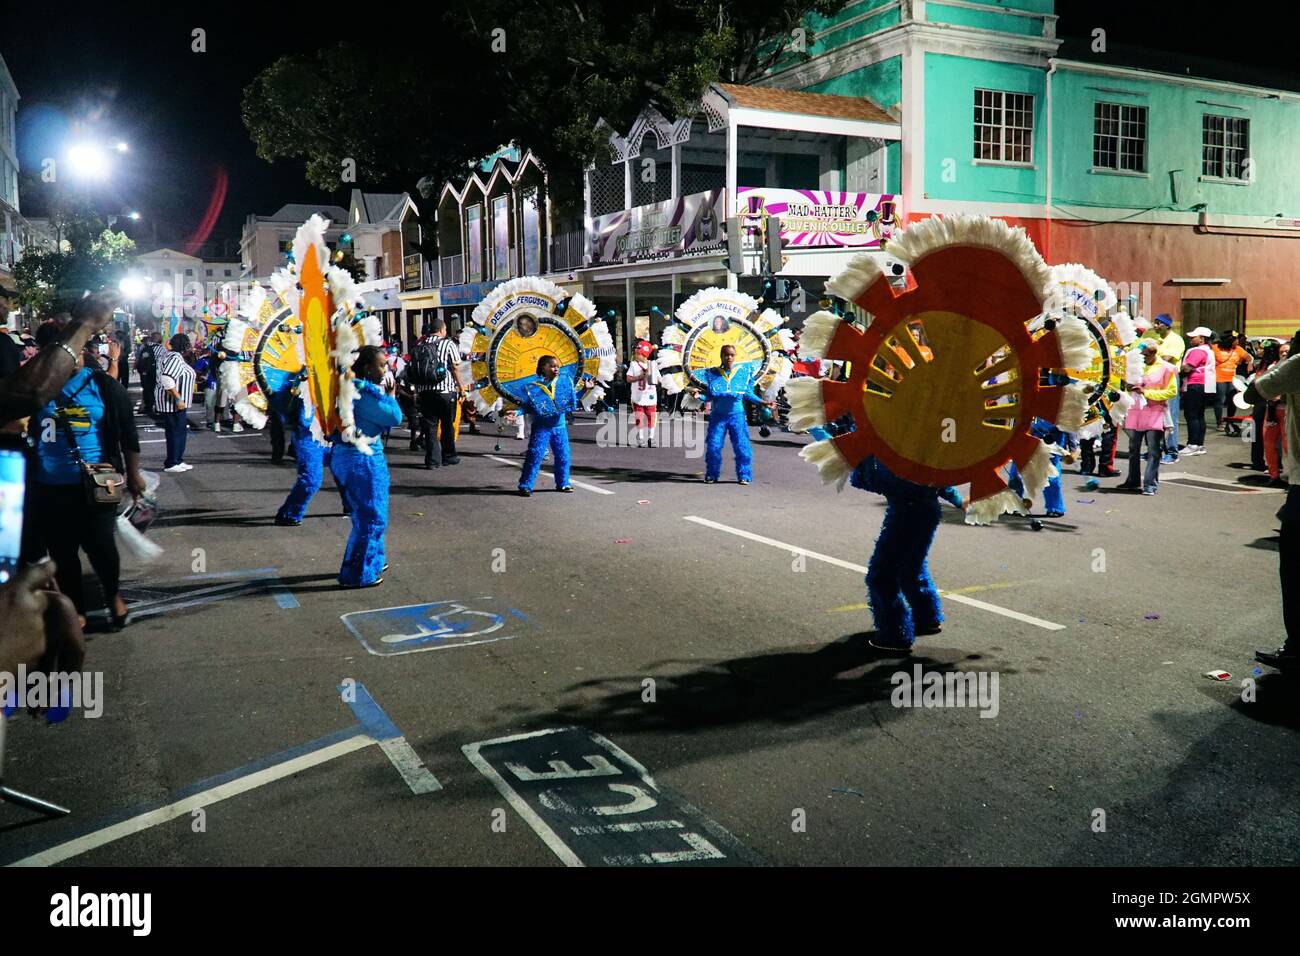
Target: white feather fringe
column 787, row 340
column 1087, row 283
column 818, row 330
column 1037, row 471
column 1074, row 342
column 692, row 310
column 830, row 464
column 779, row 372
column 312, row 233
column 988, row 510
column 861, row 271
column 508, row 290
column 918, row 240
column 608, row 360
column 466, row 342
column 807, row 410
column 1093, row 429
column 592, row 397
column 1074, row 405
column 1125, row 331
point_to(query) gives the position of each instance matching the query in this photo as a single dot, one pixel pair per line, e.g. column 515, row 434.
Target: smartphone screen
column 13, row 485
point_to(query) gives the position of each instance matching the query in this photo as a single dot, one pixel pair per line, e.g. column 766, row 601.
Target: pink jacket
column 1159, row 384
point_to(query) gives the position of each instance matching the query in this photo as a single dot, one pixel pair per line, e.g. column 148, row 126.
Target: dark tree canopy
column 537, row 74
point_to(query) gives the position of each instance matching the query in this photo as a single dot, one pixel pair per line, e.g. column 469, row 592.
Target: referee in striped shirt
column 172, row 397
column 437, row 403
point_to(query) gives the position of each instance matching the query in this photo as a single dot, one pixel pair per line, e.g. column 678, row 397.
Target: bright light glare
column 121, row 146
column 132, row 287
column 135, row 215
column 88, row 161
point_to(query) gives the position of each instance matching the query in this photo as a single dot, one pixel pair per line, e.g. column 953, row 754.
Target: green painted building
column 1179, row 189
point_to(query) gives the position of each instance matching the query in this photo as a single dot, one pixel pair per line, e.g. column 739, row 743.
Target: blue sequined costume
column 364, row 480
column 727, row 396
column 312, row 458
column 1053, row 496
column 549, row 428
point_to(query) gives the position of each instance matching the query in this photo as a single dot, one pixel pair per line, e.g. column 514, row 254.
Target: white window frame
column 1123, row 118
column 1223, row 148
column 1001, row 109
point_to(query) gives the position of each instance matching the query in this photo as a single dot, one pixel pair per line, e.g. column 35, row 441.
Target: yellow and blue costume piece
column 727, row 395
column 364, row 480
column 547, row 406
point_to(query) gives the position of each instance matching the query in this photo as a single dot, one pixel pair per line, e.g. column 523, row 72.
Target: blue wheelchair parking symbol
column 435, row 626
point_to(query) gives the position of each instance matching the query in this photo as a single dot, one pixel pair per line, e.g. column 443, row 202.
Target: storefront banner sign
column 816, row 218
column 471, row 293
column 684, row 226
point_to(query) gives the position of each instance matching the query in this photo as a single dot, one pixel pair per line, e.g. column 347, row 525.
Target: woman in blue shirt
column 95, row 411
column 364, row 477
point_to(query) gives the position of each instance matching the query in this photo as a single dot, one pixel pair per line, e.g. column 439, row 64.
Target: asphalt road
column 768, row 721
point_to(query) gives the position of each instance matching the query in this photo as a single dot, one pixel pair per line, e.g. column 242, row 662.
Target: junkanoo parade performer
column 548, row 400
column 307, row 341
column 942, row 389
column 643, row 376
column 721, row 346
column 362, row 471
column 504, row 351
column 727, row 388
column 264, row 372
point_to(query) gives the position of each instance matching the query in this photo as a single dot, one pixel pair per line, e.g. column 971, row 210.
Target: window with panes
column 1004, row 127
column 1119, row 137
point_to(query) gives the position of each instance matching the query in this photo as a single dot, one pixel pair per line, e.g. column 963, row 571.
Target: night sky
column 130, row 74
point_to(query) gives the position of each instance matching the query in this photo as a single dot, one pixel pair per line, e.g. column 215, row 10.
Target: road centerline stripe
column 861, row 569
column 572, row 480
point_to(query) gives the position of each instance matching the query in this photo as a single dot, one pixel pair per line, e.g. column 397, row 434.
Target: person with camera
column 85, row 441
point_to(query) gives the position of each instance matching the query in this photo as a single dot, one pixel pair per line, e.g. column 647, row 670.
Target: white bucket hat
column 1201, row 331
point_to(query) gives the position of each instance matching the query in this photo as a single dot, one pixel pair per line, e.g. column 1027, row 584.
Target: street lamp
column 88, row 161
column 132, row 288
column 135, row 215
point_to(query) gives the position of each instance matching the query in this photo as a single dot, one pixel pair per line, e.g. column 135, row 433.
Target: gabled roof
column 300, row 212
column 166, row 252
column 805, row 104
column 379, row 207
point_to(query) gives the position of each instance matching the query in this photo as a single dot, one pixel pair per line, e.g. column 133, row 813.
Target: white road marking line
column 850, row 566
column 152, row 441
column 1240, row 488
column 408, row 763
column 539, row 826
column 233, row 788
column 572, row 481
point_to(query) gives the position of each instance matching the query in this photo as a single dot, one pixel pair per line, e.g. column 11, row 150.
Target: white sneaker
column 1195, row 450
column 236, row 427
column 176, row 470
column 216, row 426
column 184, row 467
